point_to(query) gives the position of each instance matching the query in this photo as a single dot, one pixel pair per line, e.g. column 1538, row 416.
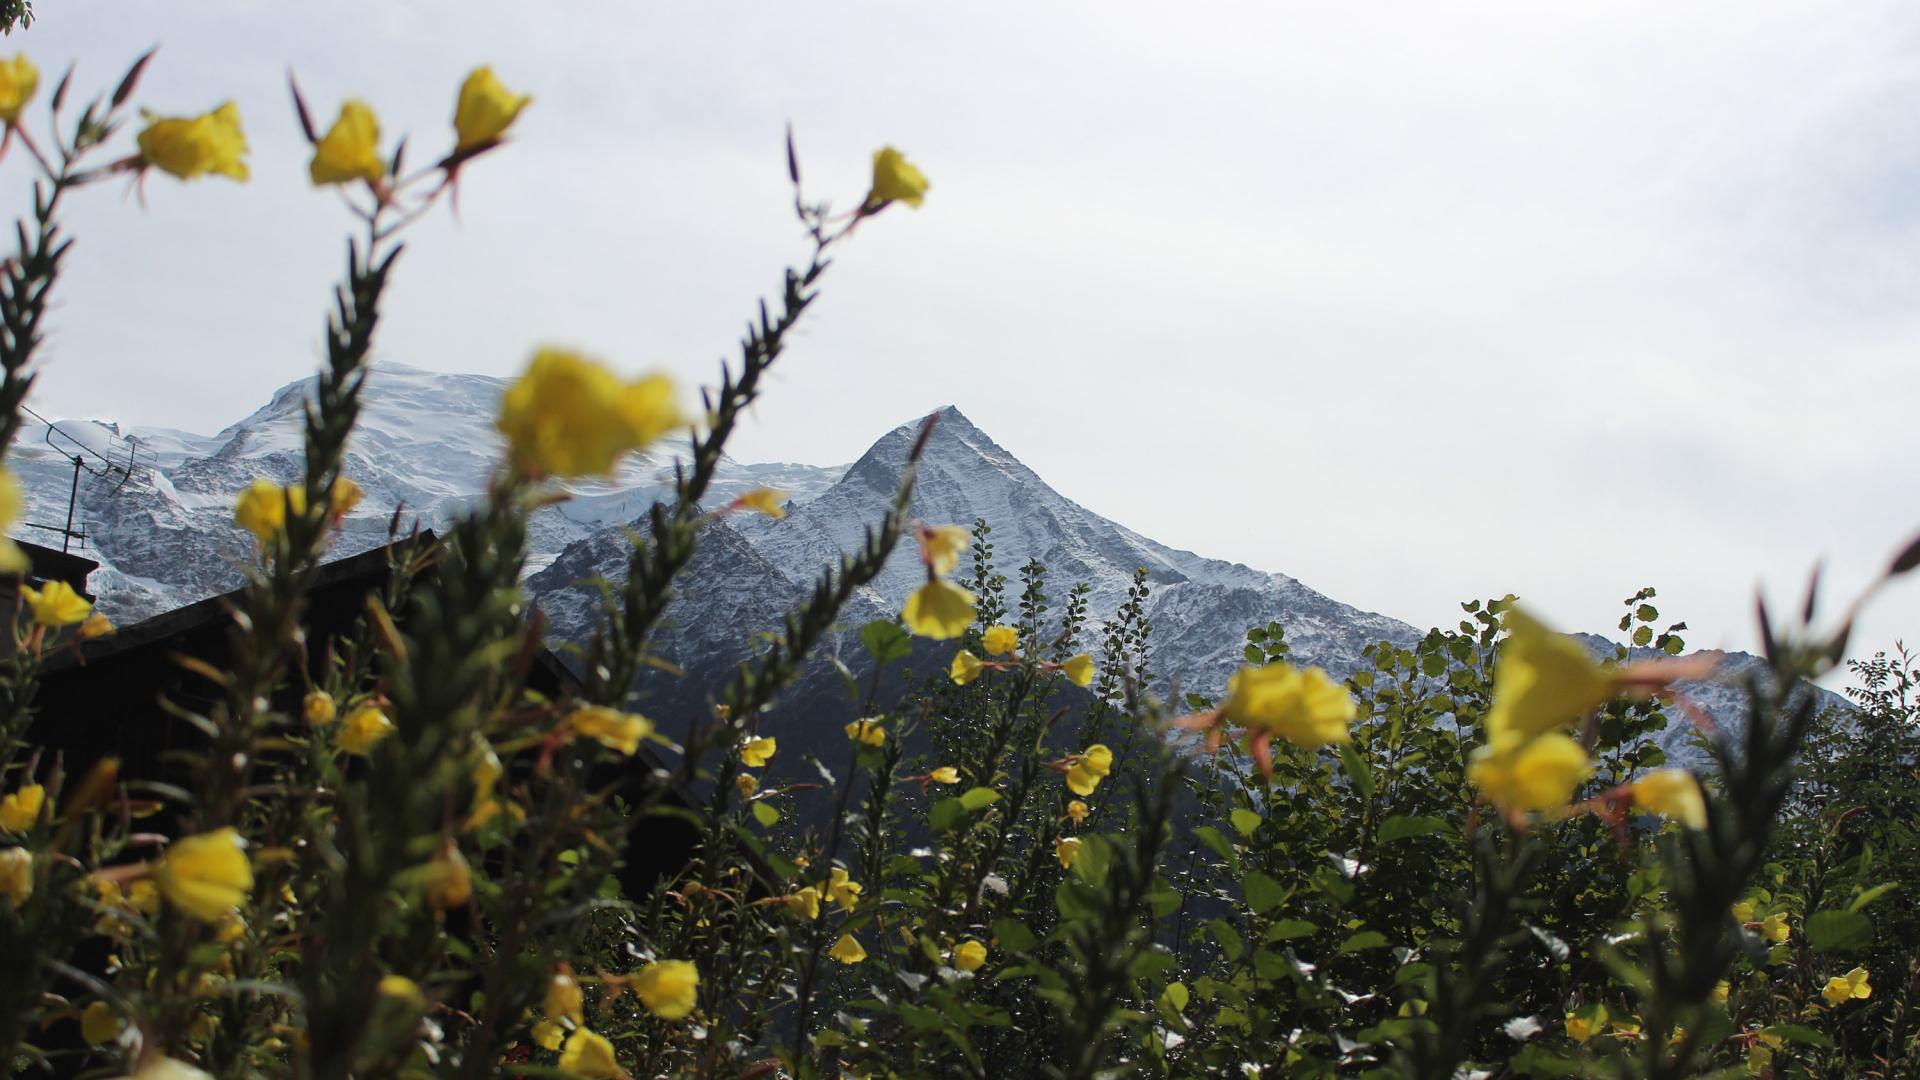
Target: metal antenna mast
column 107, row 471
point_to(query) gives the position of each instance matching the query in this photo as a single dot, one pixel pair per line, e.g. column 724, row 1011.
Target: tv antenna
column 102, row 467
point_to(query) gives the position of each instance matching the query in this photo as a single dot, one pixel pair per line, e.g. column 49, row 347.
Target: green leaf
column 1357, row 770
column 1245, row 821
column 1263, row 893
column 1365, row 939
column 1404, row 827
column 886, row 641
column 946, row 814
column 1643, row 636
column 1013, row 935
column 1227, row 936
column 1253, row 654
column 1646, row 613
column 1800, row 1033
column 1215, row 841
column 1093, row 861
column 979, row 798
column 1838, row 931
column 1288, row 929
column 765, row 814
column 1871, row 895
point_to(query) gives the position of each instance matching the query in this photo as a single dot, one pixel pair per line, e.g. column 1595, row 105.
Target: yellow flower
column 1674, row 793
column 1066, row 849
column 570, row 415
column 96, row 625
column 485, row 110
column 1852, row 986
column 1539, row 774
column 192, row 146
column 805, row 902
column 262, row 509
column 1581, row 1027
column 448, row 881
column 939, row 610
column 1093, row 766
column 764, row 500
column 350, row 150
column 18, row 80
column 1077, row 811
column 16, row 874
column 969, row 956
column 1545, row 681
column 868, row 732
column 230, row 929
column 941, row 547
column 342, row 495
column 1079, row 669
column 1775, row 928
column 757, row 752
column 966, row 667
column 365, row 726
column 1743, row 912
column 945, row 774
column 144, row 897
column 1305, row 707
column 894, row 179
column 207, row 876
column 99, row 1023
column 549, row 1035
column 402, row 989
column 610, row 728
column 847, row 950
column 1721, row 991
column 166, row 1068
column 668, row 988
column 565, row 1000
column 746, row 783
column 318, row 709
column 842, row 889
column 1001, row 640
column 56, row 604
column 591, row 1056
column 20, row 809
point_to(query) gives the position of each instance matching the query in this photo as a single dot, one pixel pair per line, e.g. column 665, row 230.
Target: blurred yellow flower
column 941, row 547
column 18, row 80
column 570, row 415
column 1305, row 707
column 1077, row 811
column 764, row 500
column 16, row 874
column 1743, row 911
column 549, row 1035
column 757, row 752
column 95, row 625
column 939, row 610
column 262, row 509
column 448, row 881
column 1001, row 640
column 895, row 180
column 945, row 774
column 969, row 956
column 485, row 110
column 99, row 1023
column 1775, row 928
column 20, row 809
column 1538, row 774
column 746, row 783
column 966, row 667
column 1585, row 1024
column 1721, row 991
column 867, row 732
column 1544, row 681
column 842, row 889
column 156, row 1067
column 56, row 604
column 565, row 1000
column 668, row 988
column 402, row 989
column 847, row 950
column 318, row 709
column 192, row 146
column 12, row 559
column 1079, row 669
column 1093, row 766
column 350, row 150
column 1066, row 849
column 591, row 1056
column 610, row 728
column 1852, row 986
column 365, row 726
column 1674, row 793
column 206, row 876
column 804, row 902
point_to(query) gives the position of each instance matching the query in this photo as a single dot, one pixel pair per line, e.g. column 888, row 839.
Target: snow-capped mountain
column 161, row 527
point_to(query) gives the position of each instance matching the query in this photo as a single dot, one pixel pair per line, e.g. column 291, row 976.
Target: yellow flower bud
column 365, row 726
column 610, row 728
column 1079, row 670
column 350, row 150
column 99, row 1023
column 565, row 1000
column 1077, row 811
column 19, row 78
column 668, row 988
column 945, row 774
column 1066, row 849
column 16, row 875
column 966, row 667
column 1000, row 640
column 895, row 180
column 318, row 709
column 192, row 146
column 403, row 990
column 21, row 809
column 867, row 732
column 969, row 956
column 847, row 950
column 448, row 881
column 207, row 876
column 485, row 110
column 96, row 625
column 804, row 902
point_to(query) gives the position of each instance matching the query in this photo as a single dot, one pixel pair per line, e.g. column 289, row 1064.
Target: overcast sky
column 1415, row 302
